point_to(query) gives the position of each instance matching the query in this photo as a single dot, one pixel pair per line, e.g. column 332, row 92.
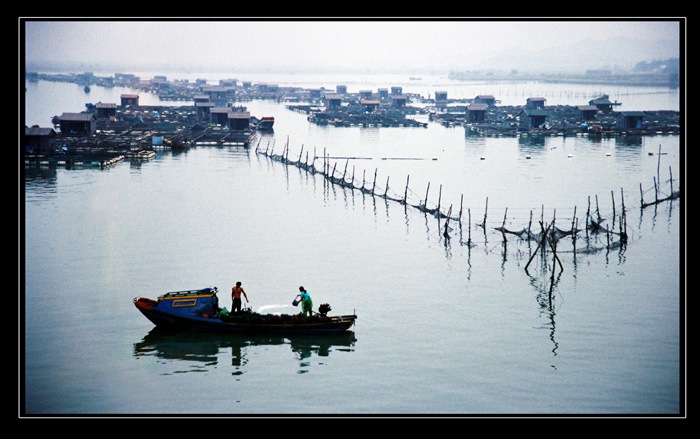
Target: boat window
column 184, row 302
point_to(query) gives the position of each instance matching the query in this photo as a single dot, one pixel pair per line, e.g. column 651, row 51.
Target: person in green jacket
column 306, row 303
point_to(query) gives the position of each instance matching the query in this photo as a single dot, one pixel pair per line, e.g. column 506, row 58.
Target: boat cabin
column 191, row 303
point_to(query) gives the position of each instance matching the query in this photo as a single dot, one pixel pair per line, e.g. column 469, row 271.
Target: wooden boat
column 264, row 124
column 199, row 310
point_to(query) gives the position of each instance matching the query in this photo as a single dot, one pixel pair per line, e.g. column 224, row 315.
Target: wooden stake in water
column 486, row 211
column 374, row 183
column 461, row 200
column 425, row 203
column 405, row 193
column 447, row 222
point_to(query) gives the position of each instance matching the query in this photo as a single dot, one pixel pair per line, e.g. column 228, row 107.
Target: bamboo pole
column 405, row 192
column 469, row 239
column 447, row 222
column 425, row 203
column 622, row 198
column 656, row 191
column 374, row 183
column 612, row 195
column 486, row 211
column 539, row 244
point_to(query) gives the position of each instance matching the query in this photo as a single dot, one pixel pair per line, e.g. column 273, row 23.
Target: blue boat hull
column 169, row 319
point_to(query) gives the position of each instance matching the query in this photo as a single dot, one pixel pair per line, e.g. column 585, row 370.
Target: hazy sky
column 328, row 44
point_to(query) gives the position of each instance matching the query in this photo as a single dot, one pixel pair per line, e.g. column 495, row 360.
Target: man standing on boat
column 306, row 303
column 236, row 297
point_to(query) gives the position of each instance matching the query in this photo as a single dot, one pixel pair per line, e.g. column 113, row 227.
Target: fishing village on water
column 327, row 218
column 204, row 114
column 106, row 133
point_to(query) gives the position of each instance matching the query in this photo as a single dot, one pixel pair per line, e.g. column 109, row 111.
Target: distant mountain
column 622, row 53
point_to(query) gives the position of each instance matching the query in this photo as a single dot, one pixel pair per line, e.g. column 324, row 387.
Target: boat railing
column 189, row 293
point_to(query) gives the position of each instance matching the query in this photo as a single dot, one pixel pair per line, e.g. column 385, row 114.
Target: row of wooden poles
column 548, row 236
column 333, row 175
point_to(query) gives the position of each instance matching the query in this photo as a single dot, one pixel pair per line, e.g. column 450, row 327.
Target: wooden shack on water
column 399, row 101
column 532, row 118
column 219, row 115
column 535, row 102
column 106, row 110
column 78, row 124
column 333, row 101
column 369, row 106
column 485, row 99
column 626, row 120
column 603, row 104
column 239, row 120
column 588, row 112
column 39, row 140
column 129, row 99
column 476, row 112
column 203, row 108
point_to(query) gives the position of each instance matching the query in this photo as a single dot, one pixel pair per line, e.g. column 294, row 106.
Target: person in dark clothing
column 236, row 297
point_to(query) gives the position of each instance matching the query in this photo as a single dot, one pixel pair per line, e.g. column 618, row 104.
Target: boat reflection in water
column 200, row 351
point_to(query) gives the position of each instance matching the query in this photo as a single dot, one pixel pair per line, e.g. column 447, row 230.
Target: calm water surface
column 443, row 327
